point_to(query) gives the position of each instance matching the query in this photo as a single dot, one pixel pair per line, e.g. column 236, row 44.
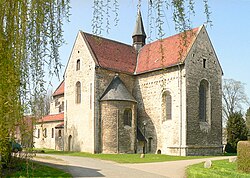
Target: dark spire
column 139, row 34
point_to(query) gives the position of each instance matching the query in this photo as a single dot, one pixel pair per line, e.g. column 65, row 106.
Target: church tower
column 139, row 34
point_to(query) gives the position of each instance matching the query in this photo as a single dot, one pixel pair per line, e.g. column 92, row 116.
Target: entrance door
column 70, row 143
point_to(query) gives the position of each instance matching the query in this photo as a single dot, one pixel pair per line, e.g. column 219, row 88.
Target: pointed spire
column 139, row 29
column 139, row 34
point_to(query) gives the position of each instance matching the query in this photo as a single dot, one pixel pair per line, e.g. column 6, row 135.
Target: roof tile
column 52, row 118
column 166, row 52
column 111, row 54
column 59, row 90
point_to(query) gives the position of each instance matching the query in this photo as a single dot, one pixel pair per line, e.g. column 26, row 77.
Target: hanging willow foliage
column 30, row 35
column 182, row 11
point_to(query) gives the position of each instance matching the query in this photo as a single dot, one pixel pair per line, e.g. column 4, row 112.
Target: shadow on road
column 75, row 171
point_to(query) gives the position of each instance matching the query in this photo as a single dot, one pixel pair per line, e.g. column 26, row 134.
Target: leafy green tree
column 248, row 122
column 182, row 12
column 236, row 131
column 30, row 35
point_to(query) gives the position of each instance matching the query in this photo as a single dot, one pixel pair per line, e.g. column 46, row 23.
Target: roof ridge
column 96, row 36
column 58, row 88
column 177, row 34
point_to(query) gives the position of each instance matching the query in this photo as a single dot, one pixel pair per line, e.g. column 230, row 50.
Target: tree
column 248, row 122
column 180, row 10
column 233, row 96
column 30, row 35
column 40, row 105
column 236, row 131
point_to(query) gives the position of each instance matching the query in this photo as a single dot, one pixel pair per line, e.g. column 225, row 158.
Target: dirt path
column 88, row 167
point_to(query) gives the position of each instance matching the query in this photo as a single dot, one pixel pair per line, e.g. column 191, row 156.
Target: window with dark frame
column 78, row 92
column 52, row 133
column 78, row 64
column 45, row 132
column 38, row 133
column 127, row 117
column 167, row 106
column 59, row 133
column 204, row 63
column 203, row 100
column 150, row 144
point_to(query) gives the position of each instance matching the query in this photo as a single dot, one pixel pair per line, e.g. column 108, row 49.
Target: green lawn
column 219, row 169
column 126, row 158
column 22, row 168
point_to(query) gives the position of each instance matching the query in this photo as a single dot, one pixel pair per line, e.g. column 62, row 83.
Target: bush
column 236, row 131
column 243, row 156
column 230, row 149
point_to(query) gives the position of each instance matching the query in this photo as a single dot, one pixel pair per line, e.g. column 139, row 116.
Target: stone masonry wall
column 206, row 136
column 116, row 137
column 45, row 141
column 167, row 135
column 79, row 118
column 103, row 78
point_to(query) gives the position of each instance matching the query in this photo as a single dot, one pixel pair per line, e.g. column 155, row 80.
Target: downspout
column 180, row 90
column 117, row 121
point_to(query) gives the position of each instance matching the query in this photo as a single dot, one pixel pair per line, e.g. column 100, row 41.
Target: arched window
column 127, row 117
column 204, row 103
column 78, row 64
column 167, row 105
column 78, row 92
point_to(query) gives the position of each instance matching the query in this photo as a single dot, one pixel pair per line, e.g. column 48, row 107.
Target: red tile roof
column 111, row 54
column 121, row 57
column 52, row 118
column 59, row 90
column 166, row 52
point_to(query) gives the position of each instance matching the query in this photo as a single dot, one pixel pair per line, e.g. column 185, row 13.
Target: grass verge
column 126, row 158
column 219, row 169
column 25, row 168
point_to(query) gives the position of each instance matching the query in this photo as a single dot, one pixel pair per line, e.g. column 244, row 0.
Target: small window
column 78, row 92
column 45, row 132
column 127, row 117
column 52, row 133
column 204, row 63
column 56, row 102
column 38, row 133
column 59, row 133
column 78, row 63
column 167, row 105
column 61, row 107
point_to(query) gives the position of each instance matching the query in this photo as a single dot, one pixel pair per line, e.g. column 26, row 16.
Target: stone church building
column 162, row 97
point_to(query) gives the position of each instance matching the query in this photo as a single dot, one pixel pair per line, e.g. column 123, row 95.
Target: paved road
column 88, row 167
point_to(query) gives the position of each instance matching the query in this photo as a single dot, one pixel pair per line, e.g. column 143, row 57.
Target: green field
column 126, row 158
column 34, row 170
column 219, row 169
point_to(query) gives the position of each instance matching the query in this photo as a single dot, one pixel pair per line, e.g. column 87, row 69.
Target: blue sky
column 230, row 33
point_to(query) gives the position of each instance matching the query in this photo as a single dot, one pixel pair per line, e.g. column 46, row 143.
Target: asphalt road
column 89, row 167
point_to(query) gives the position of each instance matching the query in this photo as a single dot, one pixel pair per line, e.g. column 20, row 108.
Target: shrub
column 243, row 155
column 230, row 149
column 236, row 131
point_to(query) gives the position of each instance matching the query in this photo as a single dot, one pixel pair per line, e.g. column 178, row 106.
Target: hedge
column 243, row 156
